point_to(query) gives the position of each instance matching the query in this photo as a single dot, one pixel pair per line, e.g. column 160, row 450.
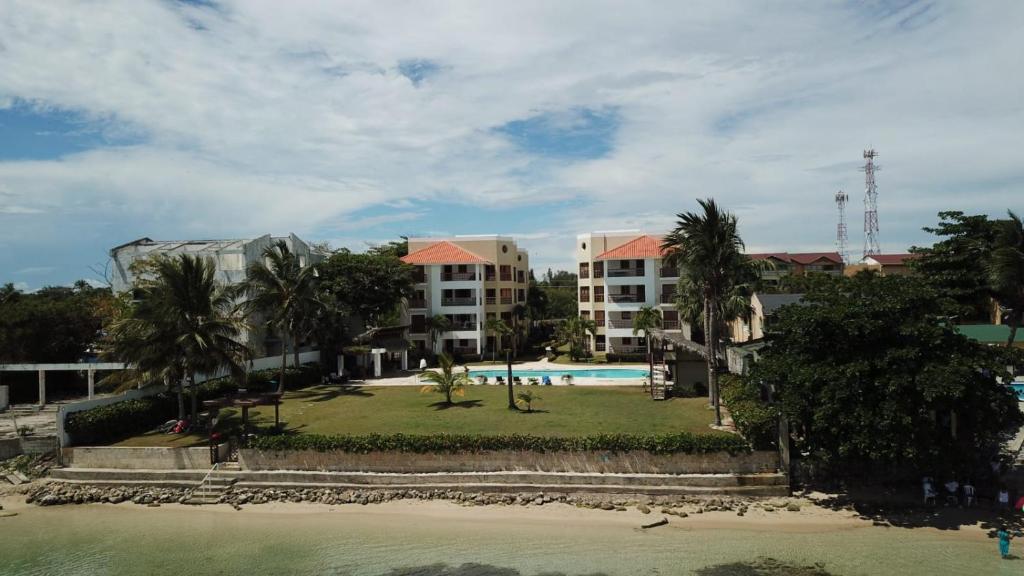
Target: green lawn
column 562, row 411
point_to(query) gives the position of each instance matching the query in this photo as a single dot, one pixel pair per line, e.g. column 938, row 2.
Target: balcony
column 670, row 324
column 600, row 347
column 458, row 301
column 506, row 277
column 625, row 298
column 625, row 272
column 506, row 299
column 419, row 278
column 464, row 349
column 630, row 349
column 462, row 326
column 619, row 323
column 417, row 303
column 491, row 300
column 669, row 272
column 457, row 276
column 489, row 277
column 584, row 273
column 668, row 298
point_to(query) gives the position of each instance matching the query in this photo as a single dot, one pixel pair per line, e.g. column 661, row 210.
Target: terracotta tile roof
column 443, row 252
column 892, row 259
column 641, row 247
column 810, row 257
column 777, row 255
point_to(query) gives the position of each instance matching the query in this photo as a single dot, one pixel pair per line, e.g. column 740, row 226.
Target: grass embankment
column 562, row 411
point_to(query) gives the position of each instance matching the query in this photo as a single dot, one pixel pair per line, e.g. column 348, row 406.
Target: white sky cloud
column 248, row 117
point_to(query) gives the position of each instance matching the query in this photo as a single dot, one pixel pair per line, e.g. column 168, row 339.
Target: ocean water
column 395, row 540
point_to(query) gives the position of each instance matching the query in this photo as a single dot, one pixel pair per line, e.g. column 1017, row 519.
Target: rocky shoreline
column 60, row 493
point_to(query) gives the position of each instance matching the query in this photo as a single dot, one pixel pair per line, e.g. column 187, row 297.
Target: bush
column 756, row 420
column 115, row 421
column 612, row 357
column 683, row 442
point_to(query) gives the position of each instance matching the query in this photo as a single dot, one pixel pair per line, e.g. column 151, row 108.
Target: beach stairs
column 216, row 482
column 658, row 385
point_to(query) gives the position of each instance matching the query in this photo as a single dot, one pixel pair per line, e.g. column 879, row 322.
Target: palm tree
column 447, row 381
column 647, row 319
column 500, row 329
column 1005, row 268
column 573, row 330
column 8, row 293
column 519, row 314
column 527, row 397
column 708, row 246
column 184, row 324
column 280, row 289
column 437, row 325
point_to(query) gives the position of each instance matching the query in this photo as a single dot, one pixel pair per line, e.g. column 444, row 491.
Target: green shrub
column 755, row 420
column 614, row 357
column 683, row 442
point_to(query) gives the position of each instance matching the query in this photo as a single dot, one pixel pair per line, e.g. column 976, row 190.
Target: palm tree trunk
column 707, row 350
column 1014, row 321
column 181, row 399
column 713, row 361
column 284, row 360
column 195, row 398
column 650, row 360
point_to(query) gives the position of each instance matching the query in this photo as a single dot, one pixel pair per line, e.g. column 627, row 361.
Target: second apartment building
column 619, row 273
column 467, row 279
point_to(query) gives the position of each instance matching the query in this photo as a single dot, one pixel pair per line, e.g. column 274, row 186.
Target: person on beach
column 1004, row 542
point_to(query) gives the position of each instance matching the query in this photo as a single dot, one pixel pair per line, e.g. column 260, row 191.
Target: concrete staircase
column 210, row 485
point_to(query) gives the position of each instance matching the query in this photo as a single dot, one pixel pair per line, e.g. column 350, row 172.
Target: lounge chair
column 546, row 380
column 533, row 381
column 499, row 380
column 481, row 379
column 517, row 380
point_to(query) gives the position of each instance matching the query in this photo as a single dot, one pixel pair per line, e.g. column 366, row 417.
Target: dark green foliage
column 614, row 357
column 871, row 378
column 682, row 442
column 756, row 420
column 955, row 265
column 55, row 324
column 115, row 421
column 370, row 285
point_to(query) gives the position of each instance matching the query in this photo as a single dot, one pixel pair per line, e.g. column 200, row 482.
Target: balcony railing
column 419, row 278
column 417, row 303
column 584, row 273
column 630, row 349
column 625, row 298
column 624, row 272
column 506, row 299
column 489, row 277
column 506, row 277
column 463, row 326
column 668, row 298
column 612, row 323
column 458, row 302
column 670, row 324
column 455, row 276
column 600, row 347
column 669, row 272
column 491, row 300
column 599, row 322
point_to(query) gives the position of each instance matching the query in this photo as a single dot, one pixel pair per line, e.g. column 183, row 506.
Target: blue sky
column 542, row 120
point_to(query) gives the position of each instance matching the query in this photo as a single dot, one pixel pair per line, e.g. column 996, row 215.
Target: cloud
column 238, row 118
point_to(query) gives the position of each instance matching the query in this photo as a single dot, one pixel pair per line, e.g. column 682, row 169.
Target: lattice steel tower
column 842, row 238
column 870, row 204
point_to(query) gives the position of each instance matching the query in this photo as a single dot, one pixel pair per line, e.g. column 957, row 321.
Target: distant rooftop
column 772, row 302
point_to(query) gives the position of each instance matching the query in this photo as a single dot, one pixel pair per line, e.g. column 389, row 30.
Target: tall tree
column 708, row 246
column 1005, row 268
column 573, row 331
column 646, row 320
column 955, row 265
column 500, row 329
column 282, row 292
column 370, row 286
column 437, row 326
column 183, row 324
column 874, row 381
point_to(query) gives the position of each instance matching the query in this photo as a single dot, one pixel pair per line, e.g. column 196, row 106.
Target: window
column 598, row 293
column 489, row 272
column 585, row 314
column 506, row 273
column 584, row 293
column 599, row 318
column 504, row 248
column 506, row 295
column 583, row 246
column 584, row 270
column 522, row 276
column 598, row 269
column 506, row 317
column 521, row 294
column 418, row 324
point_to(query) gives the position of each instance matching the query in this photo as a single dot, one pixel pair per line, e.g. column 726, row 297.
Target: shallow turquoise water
column 376, row 541
column 556, row 375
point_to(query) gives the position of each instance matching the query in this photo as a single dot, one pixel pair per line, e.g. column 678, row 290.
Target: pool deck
column 411, row 379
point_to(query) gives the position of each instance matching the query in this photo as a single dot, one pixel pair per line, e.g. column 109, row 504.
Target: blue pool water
column 1018, row 387
column 556, row 375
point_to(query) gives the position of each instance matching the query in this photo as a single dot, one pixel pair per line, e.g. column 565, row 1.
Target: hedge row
column 756, row 420
column 115, row 421
column 683, row 442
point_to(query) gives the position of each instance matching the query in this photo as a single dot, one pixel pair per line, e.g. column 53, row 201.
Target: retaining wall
column 636, row 462
column 11, row 447
column 139, row 458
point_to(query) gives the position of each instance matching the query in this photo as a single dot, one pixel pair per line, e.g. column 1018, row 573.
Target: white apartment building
column 619, row 273
column 231, row 258
column 468, row 279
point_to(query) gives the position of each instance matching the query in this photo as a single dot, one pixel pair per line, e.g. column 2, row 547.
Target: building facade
column 231, row 259
column 618, row 274
column 782, row 264
column 883, row 264
column 762, row 309
column 468, row 280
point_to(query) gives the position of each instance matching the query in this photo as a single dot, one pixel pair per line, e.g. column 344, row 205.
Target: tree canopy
column 874, row 379
column 369, row 285
column 54, row 324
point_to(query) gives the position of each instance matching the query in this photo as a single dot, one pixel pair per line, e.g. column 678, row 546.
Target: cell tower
column 842, row 238
column 870, row 204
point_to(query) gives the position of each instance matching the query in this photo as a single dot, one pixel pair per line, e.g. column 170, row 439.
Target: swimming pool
column 556, row 375
column 1018, row 387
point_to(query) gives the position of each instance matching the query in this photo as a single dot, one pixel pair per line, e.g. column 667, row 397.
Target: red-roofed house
column 467, row 279
column 620, row 272
column 798, row 264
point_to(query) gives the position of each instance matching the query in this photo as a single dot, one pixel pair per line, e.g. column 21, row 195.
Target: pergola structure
column 89, row 367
